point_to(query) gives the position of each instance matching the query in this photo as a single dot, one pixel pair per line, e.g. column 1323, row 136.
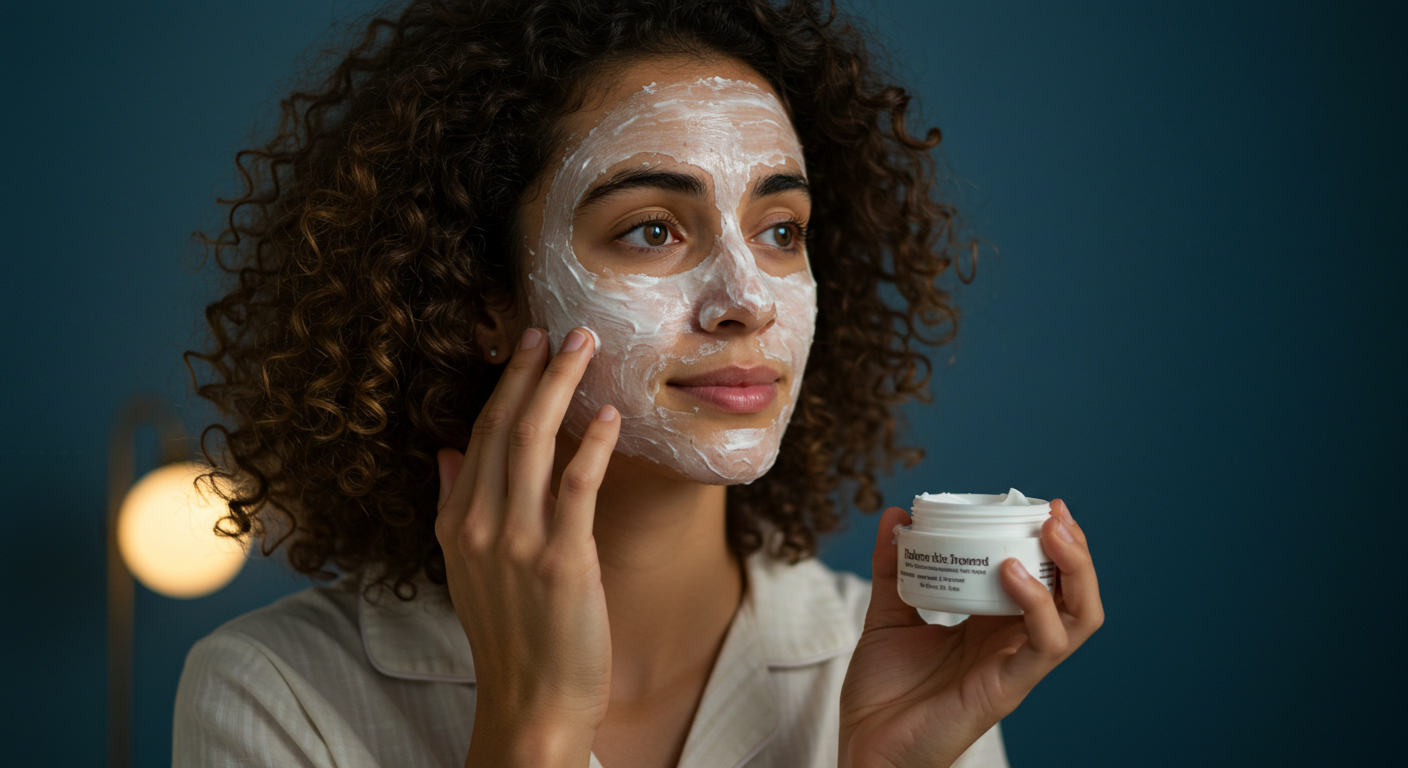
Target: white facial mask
column 728, row 129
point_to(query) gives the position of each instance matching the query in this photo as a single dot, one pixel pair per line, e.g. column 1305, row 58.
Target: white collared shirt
column 326, row 677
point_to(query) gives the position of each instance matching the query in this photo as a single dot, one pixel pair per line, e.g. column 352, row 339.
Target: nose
column 736, row 291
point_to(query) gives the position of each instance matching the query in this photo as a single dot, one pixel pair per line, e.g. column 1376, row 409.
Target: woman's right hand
column 522, row 565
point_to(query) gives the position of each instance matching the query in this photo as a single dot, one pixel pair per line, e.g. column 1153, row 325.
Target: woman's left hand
column 918, row 694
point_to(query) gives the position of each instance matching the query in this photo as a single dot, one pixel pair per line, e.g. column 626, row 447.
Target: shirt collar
column 419, row 639
column 797, row 612
column 791, row 616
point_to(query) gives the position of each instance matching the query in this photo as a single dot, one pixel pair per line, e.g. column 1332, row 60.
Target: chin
column 710, row 465
column 711, row 451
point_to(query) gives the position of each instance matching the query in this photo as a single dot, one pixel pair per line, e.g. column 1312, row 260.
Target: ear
column 498, row 330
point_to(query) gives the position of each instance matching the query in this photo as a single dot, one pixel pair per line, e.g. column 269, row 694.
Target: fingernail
column 574, row 341
column 895, row 537
column 1063, row 531
column 596, row 345
column 1066, row 514
column 607, row 413
column 1020, row 570
column 531, row 337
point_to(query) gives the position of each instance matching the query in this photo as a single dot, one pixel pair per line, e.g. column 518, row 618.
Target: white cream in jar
column 951, row 553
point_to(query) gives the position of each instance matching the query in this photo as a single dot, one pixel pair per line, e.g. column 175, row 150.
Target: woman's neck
column 672, row 584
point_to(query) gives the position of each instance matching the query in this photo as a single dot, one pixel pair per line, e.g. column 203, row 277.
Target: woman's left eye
column 651, row 234
column 783, row 235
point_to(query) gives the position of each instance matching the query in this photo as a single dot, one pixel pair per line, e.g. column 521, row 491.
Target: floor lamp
column 160, row 529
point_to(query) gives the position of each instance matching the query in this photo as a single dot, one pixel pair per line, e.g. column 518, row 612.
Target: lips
column 733, row 389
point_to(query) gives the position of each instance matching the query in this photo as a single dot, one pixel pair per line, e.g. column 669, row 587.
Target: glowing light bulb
column 165, row 531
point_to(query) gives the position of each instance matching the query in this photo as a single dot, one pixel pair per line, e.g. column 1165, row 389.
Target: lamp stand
column 122, row 473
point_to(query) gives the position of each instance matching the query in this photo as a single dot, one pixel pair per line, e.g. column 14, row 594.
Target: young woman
column 559, row 327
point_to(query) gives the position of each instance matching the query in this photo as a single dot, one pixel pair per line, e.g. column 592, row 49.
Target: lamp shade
column 166, row 534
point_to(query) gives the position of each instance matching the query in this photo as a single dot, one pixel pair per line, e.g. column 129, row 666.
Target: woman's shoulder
column 327, row 611
column 343, row 631
column 313, row 624
column 296, row 683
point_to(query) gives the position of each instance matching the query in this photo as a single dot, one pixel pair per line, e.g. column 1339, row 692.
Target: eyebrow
column 778, row 183
column 682, row 183
column 639, row 178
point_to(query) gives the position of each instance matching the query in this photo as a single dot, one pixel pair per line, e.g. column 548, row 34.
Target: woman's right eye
column 651, row 234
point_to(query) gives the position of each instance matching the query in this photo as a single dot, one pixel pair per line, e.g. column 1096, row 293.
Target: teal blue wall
column 1193, row 334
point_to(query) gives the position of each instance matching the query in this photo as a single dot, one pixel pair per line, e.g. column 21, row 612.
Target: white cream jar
column 951, row 553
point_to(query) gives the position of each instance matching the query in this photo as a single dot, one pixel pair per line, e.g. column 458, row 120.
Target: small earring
column 493, row 351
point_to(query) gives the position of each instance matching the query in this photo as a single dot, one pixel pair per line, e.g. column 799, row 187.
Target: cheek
column 640, row 322
column 790, row 339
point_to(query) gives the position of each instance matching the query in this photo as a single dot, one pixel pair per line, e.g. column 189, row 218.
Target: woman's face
column 672, row 226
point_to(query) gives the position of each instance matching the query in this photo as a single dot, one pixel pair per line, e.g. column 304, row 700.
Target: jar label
column 962, row 575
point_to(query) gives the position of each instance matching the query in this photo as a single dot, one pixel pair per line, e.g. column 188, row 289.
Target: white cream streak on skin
column 727, row 129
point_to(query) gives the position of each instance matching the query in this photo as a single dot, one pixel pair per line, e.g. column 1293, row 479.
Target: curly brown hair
column 373, row 234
